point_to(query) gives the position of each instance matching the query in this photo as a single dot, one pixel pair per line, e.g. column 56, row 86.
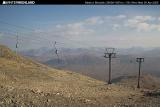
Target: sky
column 77, row 26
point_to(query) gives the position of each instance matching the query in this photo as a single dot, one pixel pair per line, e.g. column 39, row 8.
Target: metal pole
column 109, row 81
column 138, row 86
column 109, row 54
column 56, row 52
column 17, row 45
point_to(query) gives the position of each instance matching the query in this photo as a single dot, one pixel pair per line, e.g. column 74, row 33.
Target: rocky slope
column 24, row 82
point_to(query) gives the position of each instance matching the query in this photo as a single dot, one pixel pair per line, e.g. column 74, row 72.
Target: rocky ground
column 14, row 97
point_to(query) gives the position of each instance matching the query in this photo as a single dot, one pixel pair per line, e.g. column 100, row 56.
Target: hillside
column 147, row 81
column 24, row 82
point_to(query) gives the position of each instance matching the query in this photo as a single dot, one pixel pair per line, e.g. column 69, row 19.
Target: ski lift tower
column 110, row 54
column 139, row 60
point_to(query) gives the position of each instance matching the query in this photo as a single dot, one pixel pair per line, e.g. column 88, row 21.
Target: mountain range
column 90, row 61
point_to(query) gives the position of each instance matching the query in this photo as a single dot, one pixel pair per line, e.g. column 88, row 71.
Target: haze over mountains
column 90, row 61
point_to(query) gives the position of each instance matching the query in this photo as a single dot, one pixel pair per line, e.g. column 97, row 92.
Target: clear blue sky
column 80, row 22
